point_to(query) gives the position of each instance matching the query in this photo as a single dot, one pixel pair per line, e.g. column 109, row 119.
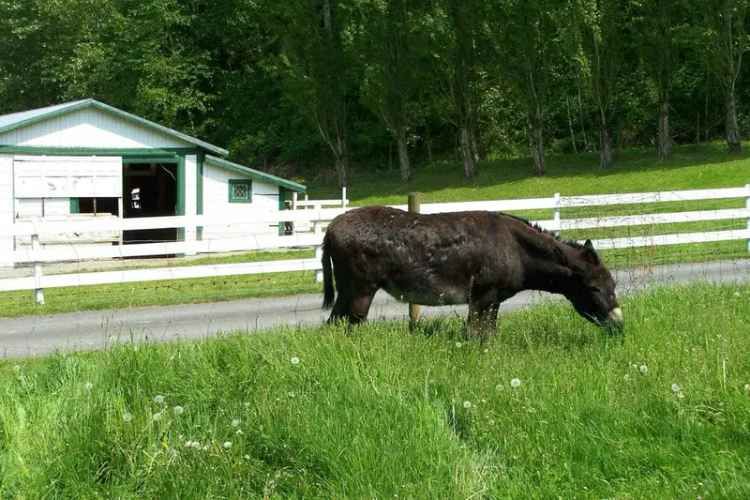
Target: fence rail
column 313, row 215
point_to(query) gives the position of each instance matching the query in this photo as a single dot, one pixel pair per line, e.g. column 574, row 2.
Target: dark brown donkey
column 479, row 258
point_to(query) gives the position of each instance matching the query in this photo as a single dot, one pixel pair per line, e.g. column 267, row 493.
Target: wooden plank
column 648, row 219
column 655, row 197
column 76, row 253
column 671, row 239
column 161, row 274
column 491, row 206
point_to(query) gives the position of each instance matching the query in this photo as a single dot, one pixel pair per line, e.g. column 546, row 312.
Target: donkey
column 479, row 258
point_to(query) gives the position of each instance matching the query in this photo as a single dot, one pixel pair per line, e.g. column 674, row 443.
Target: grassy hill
column 550, row 408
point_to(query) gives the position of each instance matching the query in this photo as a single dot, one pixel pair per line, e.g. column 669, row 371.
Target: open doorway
column 149, row 190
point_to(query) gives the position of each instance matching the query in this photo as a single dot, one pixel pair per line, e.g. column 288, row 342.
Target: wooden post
column 38, row 291
column 318, row 231
column 294, row 200
column 414, row 309
column 344, row 201
column 556, row 215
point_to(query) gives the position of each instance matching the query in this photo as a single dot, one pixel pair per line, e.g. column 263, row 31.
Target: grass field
column 550, row 408
column 705, row 166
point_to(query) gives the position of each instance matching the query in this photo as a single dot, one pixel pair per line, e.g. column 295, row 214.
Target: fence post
column 414, row 309
column 38, row 290
column 556, row 214
column 318, row 231
column 294, row 200
column 344, row 201
column 747, row 205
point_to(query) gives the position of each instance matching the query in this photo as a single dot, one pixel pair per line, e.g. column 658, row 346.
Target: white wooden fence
column 313, row 214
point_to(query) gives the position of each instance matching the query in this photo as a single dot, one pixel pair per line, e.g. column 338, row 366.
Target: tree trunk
column 570, row 127
column 341, row 153
column 467, row 152
column 664, row 146
column 732, row 129
column 605, row 143
column 586, row 146
column 536, row 144
column 403, row 154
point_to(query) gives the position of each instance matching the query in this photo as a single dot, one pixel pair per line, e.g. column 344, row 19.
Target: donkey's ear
column 589, row 254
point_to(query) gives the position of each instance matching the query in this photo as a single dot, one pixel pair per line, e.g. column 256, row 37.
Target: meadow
column 549, row 408
column 692, row 167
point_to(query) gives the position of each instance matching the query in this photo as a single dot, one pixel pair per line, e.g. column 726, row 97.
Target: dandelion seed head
column 459, row 344
column 626, row 377
column 88, row 386
column 643, row 369
column 178, row 410
column 680, row 395
column 239, row 432
column 16, row 368
column 227, row 445
column 676, row 388
column 236, row 422
column 159, row 399
column 294, row 360
column 156, row 417
column 127, row 417
column 467, row 404
column 515, row 383
column 747, row 388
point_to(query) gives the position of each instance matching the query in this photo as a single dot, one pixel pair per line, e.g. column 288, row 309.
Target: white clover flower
column 294, row 360
column 626, row 377
column 16, row 368
column 227, row 445
column 643, row 369
column 159, row 399
column 236, row 422
column 178, row 410
column 676, row 388
column 515, row 383
column 747, row 388
column 127, row 417
column 239, row 432
column 290, row 394
column 459, row 344
column 737, row 294
column 247, row 457
column 467, row 404
column 88, row 386
column 499, row 387
column 680, row 395
column 156, row 417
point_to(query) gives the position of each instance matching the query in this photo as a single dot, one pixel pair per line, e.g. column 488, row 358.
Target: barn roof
column 255, row 174
column 22, row 119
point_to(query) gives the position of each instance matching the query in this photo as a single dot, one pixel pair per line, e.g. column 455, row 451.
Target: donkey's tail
column 328, row 289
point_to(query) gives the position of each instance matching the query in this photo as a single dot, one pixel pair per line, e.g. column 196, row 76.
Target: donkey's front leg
column 482, row 318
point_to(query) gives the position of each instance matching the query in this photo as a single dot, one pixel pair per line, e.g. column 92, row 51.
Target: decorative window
column 240, row 191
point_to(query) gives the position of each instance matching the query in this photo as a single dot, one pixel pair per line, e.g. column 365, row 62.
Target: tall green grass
column 380, row 412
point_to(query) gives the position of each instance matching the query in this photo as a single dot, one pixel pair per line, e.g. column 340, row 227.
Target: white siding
column 265, row 198
column 33, row 207
column 89, row 128
column 6, row 207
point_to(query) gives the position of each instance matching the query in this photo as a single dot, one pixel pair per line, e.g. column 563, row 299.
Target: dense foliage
column 387, row 82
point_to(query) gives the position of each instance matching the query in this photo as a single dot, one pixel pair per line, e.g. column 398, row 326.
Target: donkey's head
column 592, row 289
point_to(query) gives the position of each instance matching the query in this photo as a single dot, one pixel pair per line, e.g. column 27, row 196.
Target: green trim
column 282, row 206
column 75, row 205
column 255, row 174
column 199, row 194
column 139, row 160
column 179, row 208
column 91, row 103
column 240, row 182
column 124, row 152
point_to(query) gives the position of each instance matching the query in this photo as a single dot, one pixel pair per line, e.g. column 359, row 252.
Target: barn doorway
column 149, row 190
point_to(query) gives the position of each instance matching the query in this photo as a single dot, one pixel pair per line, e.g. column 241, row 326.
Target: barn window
column 240, row 191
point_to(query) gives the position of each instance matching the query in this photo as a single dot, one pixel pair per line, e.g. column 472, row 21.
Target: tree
column 726, row 42
column 603, row 34
column 458, row 68
column 318, row 70
column 389, row 40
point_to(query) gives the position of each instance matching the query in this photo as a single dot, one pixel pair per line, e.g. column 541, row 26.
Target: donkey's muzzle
column 615, row 319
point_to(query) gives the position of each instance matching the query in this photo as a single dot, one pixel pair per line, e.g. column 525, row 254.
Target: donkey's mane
column 537, row 227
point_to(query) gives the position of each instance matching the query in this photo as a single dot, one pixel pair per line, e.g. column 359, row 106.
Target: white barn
column 88, row 159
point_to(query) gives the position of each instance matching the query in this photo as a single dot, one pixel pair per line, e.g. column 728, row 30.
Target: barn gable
column 91, row 124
